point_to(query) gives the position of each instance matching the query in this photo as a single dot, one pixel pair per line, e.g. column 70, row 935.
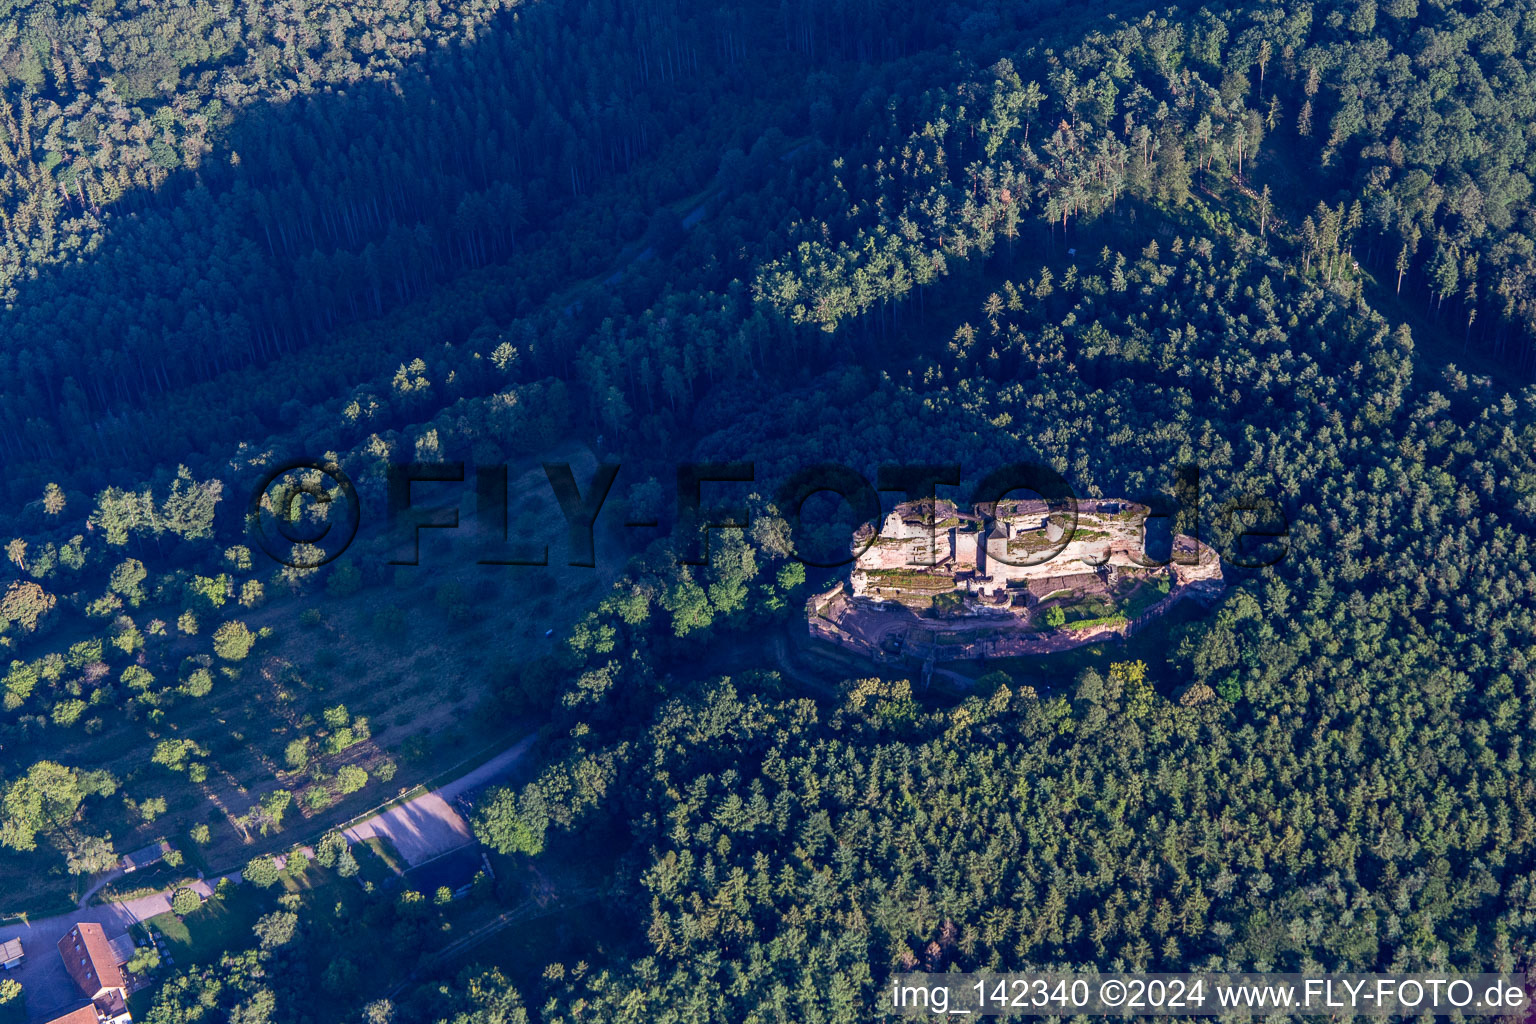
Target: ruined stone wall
column 927, row 548
column 1046, row 585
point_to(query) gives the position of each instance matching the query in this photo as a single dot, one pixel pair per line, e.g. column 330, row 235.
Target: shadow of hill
column 328, row 239
column 217, row 307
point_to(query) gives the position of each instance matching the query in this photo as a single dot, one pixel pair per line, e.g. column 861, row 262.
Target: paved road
column 427, row 827
column 422, row 829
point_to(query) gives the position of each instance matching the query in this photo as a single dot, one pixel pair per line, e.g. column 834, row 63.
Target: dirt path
column 100, row 883
column 491, row 771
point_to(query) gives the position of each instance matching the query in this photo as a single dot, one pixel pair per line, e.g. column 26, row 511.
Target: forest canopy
column 1290, row 244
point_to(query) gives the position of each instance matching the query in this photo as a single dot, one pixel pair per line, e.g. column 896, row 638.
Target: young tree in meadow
column 127, row 580
column 126, row 635
column 344, row 580
column 380, row 1011
column 208, row 592
column 199, row 683
column 188, row 510
column 690, row 607
column 267, row 814
column 261, row 872
column 330, row 847
column 296, row 754
column 68, row 712
column 233, row 640
column 346, row 864
column 120, row 515
column 350, row 778
column 19, row 682
column 487, row 996
column 173, row 753
column 733, row 566
column 184, row 901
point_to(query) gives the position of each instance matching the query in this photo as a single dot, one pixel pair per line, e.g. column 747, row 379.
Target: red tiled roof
column 85, row 1014
column 89, row 960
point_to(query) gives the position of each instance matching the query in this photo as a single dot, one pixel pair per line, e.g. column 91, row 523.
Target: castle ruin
column 1010, row 577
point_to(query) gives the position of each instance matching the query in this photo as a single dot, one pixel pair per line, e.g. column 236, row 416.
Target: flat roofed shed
column 151, row 854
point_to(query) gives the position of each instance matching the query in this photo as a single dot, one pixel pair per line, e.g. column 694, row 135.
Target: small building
column 113, row 1009
column 152, row 854
column 11, row 954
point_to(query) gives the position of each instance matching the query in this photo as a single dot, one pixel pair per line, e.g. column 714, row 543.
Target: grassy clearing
column 594, row 933
column 223, row 923
column 35, row 883
column 1087, row 607
column 1034, row 541
column 152, row 879
column 1112, row 619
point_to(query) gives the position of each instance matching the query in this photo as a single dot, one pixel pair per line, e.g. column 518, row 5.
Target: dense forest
column 1290, row 244
column 229, row 235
